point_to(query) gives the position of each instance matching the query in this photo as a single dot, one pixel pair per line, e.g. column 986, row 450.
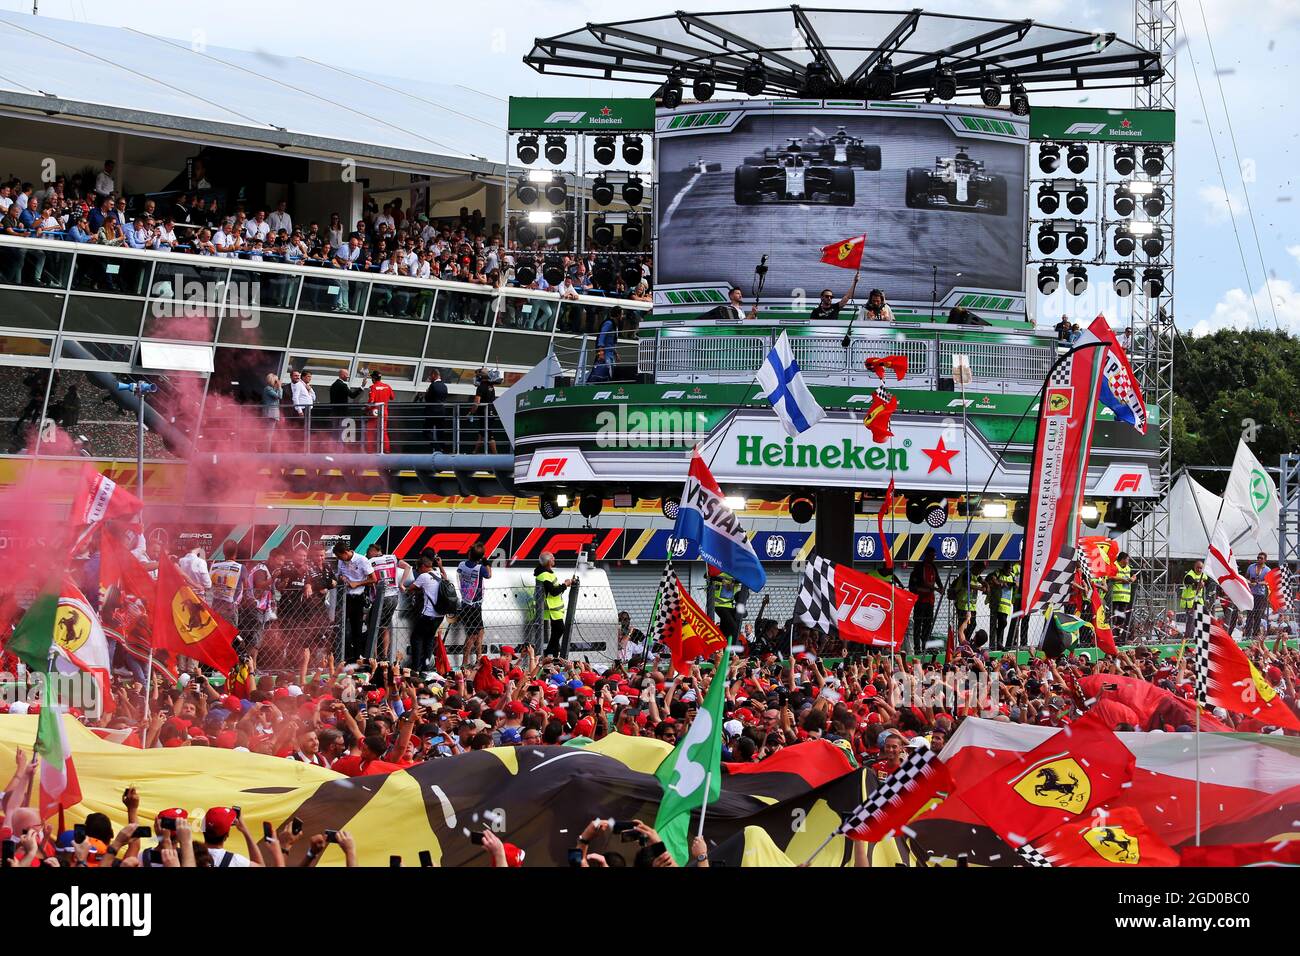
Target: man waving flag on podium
column 784, row 387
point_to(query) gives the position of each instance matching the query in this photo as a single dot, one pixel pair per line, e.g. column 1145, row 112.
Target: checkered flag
column 1201, row 662
column 667, row 604
column 1032, row 857
column 815, row 605
column 898, row 798
column 1062, row 372
column 1058, row 581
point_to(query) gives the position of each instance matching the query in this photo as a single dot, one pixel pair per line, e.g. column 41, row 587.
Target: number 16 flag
column 853, row 606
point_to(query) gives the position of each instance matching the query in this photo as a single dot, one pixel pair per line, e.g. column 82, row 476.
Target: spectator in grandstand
column 606, row 344
column 280, row 220
column 877, row 309
column 104, row 184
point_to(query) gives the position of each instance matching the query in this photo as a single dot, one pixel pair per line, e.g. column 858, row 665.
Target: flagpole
column 824, row 844
column 708, row 782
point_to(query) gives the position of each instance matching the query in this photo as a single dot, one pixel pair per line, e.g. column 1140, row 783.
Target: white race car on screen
column 791, row 175
column 841, row 149
column 959, row 183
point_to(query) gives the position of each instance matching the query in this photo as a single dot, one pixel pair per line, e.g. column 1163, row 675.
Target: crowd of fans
column 386, row 239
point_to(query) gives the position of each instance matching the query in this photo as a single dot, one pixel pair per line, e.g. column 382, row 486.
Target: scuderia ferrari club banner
column 1058, row 479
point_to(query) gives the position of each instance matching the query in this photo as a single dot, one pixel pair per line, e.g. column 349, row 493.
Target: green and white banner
column 579, row 115
column 1093, row 124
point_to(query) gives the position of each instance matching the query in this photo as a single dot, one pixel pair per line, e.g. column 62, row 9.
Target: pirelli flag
column 183, row 624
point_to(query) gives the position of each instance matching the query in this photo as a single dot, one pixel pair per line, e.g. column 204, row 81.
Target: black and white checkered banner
column 815, row 606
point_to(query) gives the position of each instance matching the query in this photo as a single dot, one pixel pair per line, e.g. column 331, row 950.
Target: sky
column 1256, row 44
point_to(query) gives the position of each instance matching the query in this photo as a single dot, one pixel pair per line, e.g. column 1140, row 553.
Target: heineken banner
column 1101, row 125
column 578, row 115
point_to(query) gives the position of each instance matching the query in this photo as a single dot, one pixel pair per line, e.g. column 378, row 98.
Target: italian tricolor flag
column 59, row 786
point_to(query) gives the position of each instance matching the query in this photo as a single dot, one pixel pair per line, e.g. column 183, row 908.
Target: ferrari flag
column 1227, row 678
column 846, row 254
column 1118, row 837
column 1059, row 473
column 683, row 626
column 184, row 624
column 853, row 606
column 99, row 497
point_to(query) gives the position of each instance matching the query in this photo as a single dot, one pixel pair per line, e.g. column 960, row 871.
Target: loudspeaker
column 946, row 385
column 625, row 373
column 564, row 381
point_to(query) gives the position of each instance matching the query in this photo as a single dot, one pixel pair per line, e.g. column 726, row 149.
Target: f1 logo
column 673, row 393
column 1129, row 481
column 551, row 466
column 560, row 116
column 1085, row 129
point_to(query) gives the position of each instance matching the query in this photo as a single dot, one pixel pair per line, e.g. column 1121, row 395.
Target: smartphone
column 630, row 836
column 142, row 833
column 167, row 823
column 622, row 826
column 476, row 839
column 331, row 836
column 237, row 812
column 79, row 833
column 575, row 857
column 426, row 859
column 394, row 861
column 297, row 826
column 657, row 850
column 9, row 848
column 268, row 831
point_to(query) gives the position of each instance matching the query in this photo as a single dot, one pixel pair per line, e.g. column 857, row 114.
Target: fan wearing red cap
column 503, row 854
column 217, row 823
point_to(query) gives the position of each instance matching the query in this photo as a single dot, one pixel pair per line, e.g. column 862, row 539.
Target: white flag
column 784, row 387
column 1251, row 490
column 1222, row 567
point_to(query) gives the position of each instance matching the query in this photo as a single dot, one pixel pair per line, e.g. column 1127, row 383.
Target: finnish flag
column 784, row 387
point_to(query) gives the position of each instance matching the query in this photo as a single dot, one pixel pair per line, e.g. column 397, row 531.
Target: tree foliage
column 1231, row 385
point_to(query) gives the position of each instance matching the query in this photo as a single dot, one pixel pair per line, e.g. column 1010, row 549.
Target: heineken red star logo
column 605, row 111
column 1126, row 124
column 940, row 457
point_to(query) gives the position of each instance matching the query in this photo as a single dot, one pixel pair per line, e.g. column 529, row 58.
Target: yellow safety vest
column 724, row 591
column 554, row 602
column 1122, row 587
column 1008, row 582
column 1191, row 595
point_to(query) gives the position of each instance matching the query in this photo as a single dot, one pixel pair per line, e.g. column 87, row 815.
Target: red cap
column 584, row 728
column 589, row 677
column 231, row 702
column 745, row 714
column 282, row 692
column 874, row 718
column 507, row 652
column 218, row 820
column 172, row 813
column 515, row 709
column 227, row 740
column 560, row 713
column 514, row 855
column 870, row 691
column 515, row 674
column 585, row 691
column 1274, row 674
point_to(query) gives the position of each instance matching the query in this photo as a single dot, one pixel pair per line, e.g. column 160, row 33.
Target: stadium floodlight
column 1076, row 240
column 633, row 150
column 526, row 191
column 945, row 83
column 631, row 273
column 1123, row 281
column 1154, row 204
column 557, row 147
column 1048, row 239
column 553, row 270
column 526, row 234
column 525, row 271
column 994, row 509
column 1125, row 159
column 556, row 191
column 633, row 191
column 1049, row 200
column 802, row 508
column 602, row 233
column 602, row 149
column 1076, row 200
column 1153, row 282
column 735, row 502
column 1076, row 157
column 704, row 84
column 537, row 216
column 526, row 149
column 549, row 507
column 990, row 92
column 1153, row 160
column 1125, row 244
column 590, row 505
column 603, row 274
column 1049, row 157
column 556, row 234
column 1049, row 279
column 754, row 80
column 1140, row 228
column 632, row 232
column 1076, row 280
column 602, row 193
column 1154, row 244
column 1142, row 187
column 1019, row 99
column 670, row 94
column 1123, row 201
column 882, row 81
column 1089, row 515
column 670, row 506
column 936, row 514
column 817, row 77
column 562, row 500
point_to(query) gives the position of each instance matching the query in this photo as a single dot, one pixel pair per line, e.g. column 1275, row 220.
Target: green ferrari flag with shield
column 692, row 775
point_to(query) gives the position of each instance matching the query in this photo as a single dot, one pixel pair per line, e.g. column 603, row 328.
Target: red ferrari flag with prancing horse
column 184, row 624
column 846, row 254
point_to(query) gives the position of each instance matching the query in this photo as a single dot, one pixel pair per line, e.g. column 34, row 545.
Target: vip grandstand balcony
column 84, row 310
column 1002, row 360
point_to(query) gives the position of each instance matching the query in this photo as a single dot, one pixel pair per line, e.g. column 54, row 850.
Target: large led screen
column 939, row 192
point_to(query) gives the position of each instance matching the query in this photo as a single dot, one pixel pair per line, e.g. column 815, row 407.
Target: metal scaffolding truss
column 812, row 51
column 1153, row 320
column 1288, row 545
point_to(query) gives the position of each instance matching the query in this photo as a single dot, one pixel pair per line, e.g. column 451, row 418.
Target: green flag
column 34, row 634
column 692, row 776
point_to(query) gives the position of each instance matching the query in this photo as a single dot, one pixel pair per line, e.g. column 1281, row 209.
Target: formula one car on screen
column 841, row 149
column 792, row 175
column 957, row 182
